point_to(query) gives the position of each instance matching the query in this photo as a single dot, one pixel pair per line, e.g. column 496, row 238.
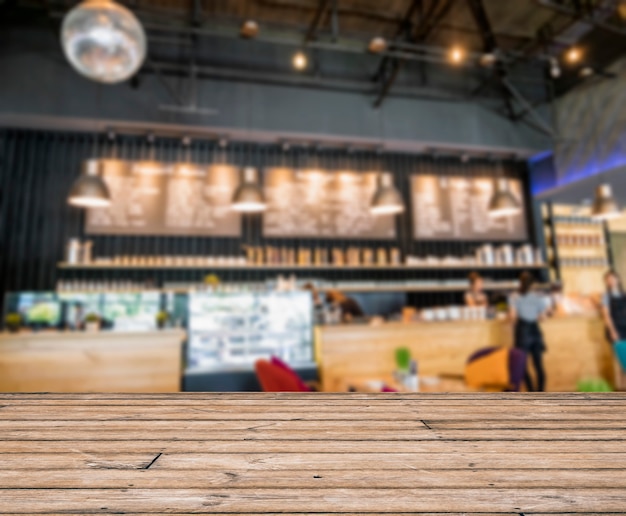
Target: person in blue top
column 614, row 307
column 526, row 309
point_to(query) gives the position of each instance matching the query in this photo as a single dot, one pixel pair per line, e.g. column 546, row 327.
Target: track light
column 555, row 69
column 377, row 45
column 503, row 203
column 90, row 190
column 456, row 55
column 604, row 206
column 249, row 29
column 587, row 71
column 249, row 197
column 299, row 60
column 387, row 200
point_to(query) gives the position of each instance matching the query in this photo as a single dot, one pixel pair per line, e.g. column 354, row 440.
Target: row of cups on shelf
column 455, row 313
column 172, row 260
column 486, row 255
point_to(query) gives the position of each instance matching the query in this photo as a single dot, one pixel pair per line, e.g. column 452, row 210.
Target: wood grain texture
column 91, row 362
column 576, row 349
column 318, row 453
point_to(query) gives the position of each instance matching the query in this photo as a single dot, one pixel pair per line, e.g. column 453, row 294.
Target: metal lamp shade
column 387, row 200
column 103, row 41
column 604, row 205
column 503, row 203
column 249, row 197
column 89, row 190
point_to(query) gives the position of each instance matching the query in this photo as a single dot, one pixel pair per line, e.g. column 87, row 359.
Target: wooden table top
column 246, row 453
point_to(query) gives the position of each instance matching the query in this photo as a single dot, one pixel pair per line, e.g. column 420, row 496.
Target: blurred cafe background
column 294, row 195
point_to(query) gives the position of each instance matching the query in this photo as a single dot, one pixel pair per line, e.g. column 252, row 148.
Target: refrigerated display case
column 233, row 330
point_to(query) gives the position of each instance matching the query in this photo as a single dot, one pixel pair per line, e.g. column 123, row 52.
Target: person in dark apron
column 614, row 308
column 527, row 308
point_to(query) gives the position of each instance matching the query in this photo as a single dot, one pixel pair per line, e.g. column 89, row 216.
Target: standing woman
column 527, row 308
column 614, row 307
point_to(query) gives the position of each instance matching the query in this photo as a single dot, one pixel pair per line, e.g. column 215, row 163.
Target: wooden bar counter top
column 246, row 453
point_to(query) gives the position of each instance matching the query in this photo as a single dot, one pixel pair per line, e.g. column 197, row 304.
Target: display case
column 229, row 331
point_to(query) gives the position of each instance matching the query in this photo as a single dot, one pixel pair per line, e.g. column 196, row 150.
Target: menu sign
column 456, row 208
column 322, row 204
column 151, row 198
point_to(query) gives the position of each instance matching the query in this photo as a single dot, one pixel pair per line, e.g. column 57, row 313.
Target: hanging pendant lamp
column 90, row 190
column 605, row 206
column 387, row 200
column 249, row 197
column 103, row 41
column 503, row 203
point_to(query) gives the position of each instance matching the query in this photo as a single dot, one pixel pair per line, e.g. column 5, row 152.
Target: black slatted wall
column 37, row 169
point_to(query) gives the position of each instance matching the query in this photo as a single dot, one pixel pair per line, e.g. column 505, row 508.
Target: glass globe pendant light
column 103, row 41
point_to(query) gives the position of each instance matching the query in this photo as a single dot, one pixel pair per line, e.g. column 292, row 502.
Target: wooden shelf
column 490, row 286
column 111, row 266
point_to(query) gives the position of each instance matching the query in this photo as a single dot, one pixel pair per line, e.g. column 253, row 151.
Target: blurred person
column 614, row 307
column 475, row 295
column 526, row 309
column 350, row 309
column 318, row 303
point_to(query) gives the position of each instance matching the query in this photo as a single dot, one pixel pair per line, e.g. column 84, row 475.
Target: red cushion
column 285, row 367
column 275, row 379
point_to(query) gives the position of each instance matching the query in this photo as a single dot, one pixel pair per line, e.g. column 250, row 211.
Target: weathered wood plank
column 184, row 445
column 312, row 461
column 319, row 479
column 313, row 500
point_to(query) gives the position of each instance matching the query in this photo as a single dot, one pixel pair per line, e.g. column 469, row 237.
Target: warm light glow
column 299, row 61
column 89, row 202
column 573, row 55
column 456, row 55
column 504, row 212
column 249, row 207
column 386, row 210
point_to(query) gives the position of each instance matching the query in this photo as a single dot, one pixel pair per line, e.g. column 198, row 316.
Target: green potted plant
column 162, row 319
column 13, row 321
column 92, row 322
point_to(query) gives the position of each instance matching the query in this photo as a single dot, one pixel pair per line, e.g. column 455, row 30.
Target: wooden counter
column 576, row 349
column 313, row 453
column 91, row 362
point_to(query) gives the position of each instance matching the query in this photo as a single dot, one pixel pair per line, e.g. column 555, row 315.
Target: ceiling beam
column 317, row 18
column 427, row 25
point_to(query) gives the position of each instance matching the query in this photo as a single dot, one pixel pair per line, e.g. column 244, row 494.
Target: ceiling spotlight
column 249, row 197
column 604, row 204
column 249, row 29
column 103, row 41
column 456, row 55
column 387, row 200
column 503, row 203
column 377, row 45
column 573, row 55
column 487, row 60
column 555, row 69
column 587, row 71
column 299, row 60
column 90, row 190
